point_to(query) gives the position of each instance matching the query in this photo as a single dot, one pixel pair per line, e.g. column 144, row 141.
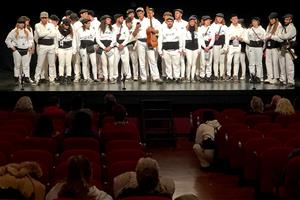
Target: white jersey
column 84, row 35
column 288, row 32
column 255, row 34
column 234, row 31
column 187, row 37
column 107, row 35
column 169, row 35
column 207, row 36
column 180, row 25
column 121, row 33
column 19, row 38
column 62, row 40
column 76, row 26
column 274, row 36
column 95, row 24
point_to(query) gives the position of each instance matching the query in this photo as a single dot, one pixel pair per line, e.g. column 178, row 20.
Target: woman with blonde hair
column 24, row 104
column 284, row 107
column 257, row 105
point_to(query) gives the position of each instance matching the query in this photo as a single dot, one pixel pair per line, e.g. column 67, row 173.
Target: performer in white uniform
column 20, row 41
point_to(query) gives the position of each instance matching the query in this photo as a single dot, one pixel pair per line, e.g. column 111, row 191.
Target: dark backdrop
column 32, row 8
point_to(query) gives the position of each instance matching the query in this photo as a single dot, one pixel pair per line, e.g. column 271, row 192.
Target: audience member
column 77, row 184
column 256, row 105
column 145, row 181
column 284, row 107
column 53, row 107
column 272, row 105
column 44, row 127
column 24, row 104
column 109, row 102
column 204, row 146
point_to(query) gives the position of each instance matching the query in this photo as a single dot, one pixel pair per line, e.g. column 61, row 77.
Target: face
column 55, row 23
column 165, row 17
column 234, row 20
column 192, row 22
column 207, row 22
column 272, row 21
column 131, row 15
column 44, row 20
column 140, row 14
column 121, row 19
column 151, row 14
column 178, row 15
column 21, row 25
column 87, row 25
column 219, row 20
column 255, row 23
column 27, row 22
column 66, row 26
column 108, row 20
column 287, row 20
column 170, row 23
column 84, row 15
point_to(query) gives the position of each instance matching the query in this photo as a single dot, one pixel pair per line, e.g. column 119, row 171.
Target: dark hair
column 92, row 13
column 68, row 12
column 208, row 116
column 103, row 26
column 81, row 124
column 119, row 113
column 44, row 127
column 78, row 178
column 148, row 179
column 77, row 102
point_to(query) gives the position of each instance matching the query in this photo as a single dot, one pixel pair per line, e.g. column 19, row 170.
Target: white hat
column 44, row 14
column 139, row 9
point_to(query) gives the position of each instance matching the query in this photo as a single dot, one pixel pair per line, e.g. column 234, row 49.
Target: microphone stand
column 124, row 80
column 253, row 81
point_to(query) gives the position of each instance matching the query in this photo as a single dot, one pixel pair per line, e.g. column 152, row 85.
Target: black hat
column 256, row 18
column 103, row 17
column 84, row 21
column 83, row 11
column 193, row 17
column 205, row 17
column 68, row 12
column 233, row 15
column 129, row 11
column 170, row 18
column 116, row 16
column 273, row 15
column 179, row 10
column 167, row 13
column 21, row 20
column 66, row 21
column 287, row 15
column 220, row 15
column 54, row 18
column 74, row 16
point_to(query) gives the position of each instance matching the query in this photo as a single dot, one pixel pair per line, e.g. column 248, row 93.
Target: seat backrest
column 81, row 143
column 42, row 143
column 252, row 120
column 92, row 155
column 282, row 135
column 292, row 179
column 293, row 142
column 124, row 155
column 122, row 144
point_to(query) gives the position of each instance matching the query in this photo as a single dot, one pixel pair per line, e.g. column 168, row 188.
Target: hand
column 206, row 49
column 138, row 25
column 232, row 38
column 121, row 47
column 13, row 49
column 107, row 49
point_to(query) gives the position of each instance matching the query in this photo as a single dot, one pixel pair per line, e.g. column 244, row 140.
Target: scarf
column 64, row 32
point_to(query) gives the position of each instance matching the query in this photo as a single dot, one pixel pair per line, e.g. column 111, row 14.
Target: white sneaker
column 76, row 80
column 268, row 80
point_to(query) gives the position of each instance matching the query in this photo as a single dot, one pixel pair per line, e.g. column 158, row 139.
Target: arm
column 289, row 34
column 126, row 40
column 99, row 41
column 9, row 40
column 40, row 31
column 74, row 45
column 159, row 47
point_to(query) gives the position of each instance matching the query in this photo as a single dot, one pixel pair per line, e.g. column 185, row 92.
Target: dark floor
column 181, row 164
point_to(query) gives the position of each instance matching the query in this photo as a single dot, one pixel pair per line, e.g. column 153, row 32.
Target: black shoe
column 16, row 79
column 26, row 80
column 69, row 80
column 257, row 79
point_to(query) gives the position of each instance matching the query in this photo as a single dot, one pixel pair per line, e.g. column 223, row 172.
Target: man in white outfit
column 181, row 25
column 170, row 49
column 145, row 50
column 46, row 34
column 286, row 57
column 76, row 25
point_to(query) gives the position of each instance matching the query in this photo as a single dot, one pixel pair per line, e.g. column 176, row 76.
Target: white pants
column 191, row 60
column 233, row 52
column 77, row 67
column 108, row 65
column 182, row 66
column 172, row 61
column 85, row 57
column 65, row 61
column 124, row 56
column 21, row 64
column 99, row 65
column 44, row 52
column 287, row 68
column 134, row 61
column 255, row 61
column 219, row 61
column 205, row 67
column 272, row 63
column 243, row 64
column 204, row 156
column 144, row 51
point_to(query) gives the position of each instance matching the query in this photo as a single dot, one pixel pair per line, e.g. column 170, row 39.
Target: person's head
column 166, row 15
column 86, row 23
column 109, row 101
column 84, row 14
column 275, row 100
column 208, row 116
column 234, row 19
column 147, row 173
column 219, row 19
column 106, row 19
column 74, row 17
column 140, row 12
column 285, row 107
column 178, row 14
column 206, row 20
column 257, row 105
column 273, row 18
column 119, row 113
column 66, row 23
column 68, row 13
column 170, row 21
column 130, row 13
column 91, row 14
column 44, row 127
column 81, row 124
column 255, row 22
column 128, row 23
column 287, row 19
column 24, row 104
column 21, row 23
column 44, row 17
column 192, row 21
column 78, row 178
column 54, row 19
column 150, row 13
column 119, row 18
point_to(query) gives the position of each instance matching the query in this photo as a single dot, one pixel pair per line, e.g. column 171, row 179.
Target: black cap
column 66, row 22
column 54, row 18
column 21, row 20
column 116, row 16
column 205, row 17
column 179, row 10
column 273, row 15
column 103, row 17
column 74, row 16
column 287, row 15
column 83, row 11
column 193, row 17
column 129, row 11
column 233, row 15
column 68, row 12
column 84, row 21
column 167, row 13
column 220, row 15
column 256, row 18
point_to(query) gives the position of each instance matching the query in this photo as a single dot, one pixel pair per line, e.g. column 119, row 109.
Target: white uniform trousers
column 108, row 65
column 124, row 56
column 77, row 67
column 85, row 57
column 65, row 61
column 172, row 61
column 272, row 63
column 205, row 157
column 21, row 64
column 45, row 52
column 191, row 60
column 287, row 68
column 206, row 62
column 233, row 52
column 134, row 61
column 99, row 66
column 182, row 66
column 147, row 54
column 255, row 61
column 219, row 61
column 243, row 64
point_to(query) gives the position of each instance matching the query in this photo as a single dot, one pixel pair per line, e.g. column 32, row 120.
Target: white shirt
column 188, row 36
column 206, row 34
column 259, row 34
column 234, row 31
column 288, row 32
column 180, row 25
column 68, row 38
column 47, row 31
column 123, row 31
column 219, row 29
column 145, row 23
column 22, row 41
column 276, row 33
column 106, row 35
column 87, row 34
column 169, row 35
column 95, row 24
